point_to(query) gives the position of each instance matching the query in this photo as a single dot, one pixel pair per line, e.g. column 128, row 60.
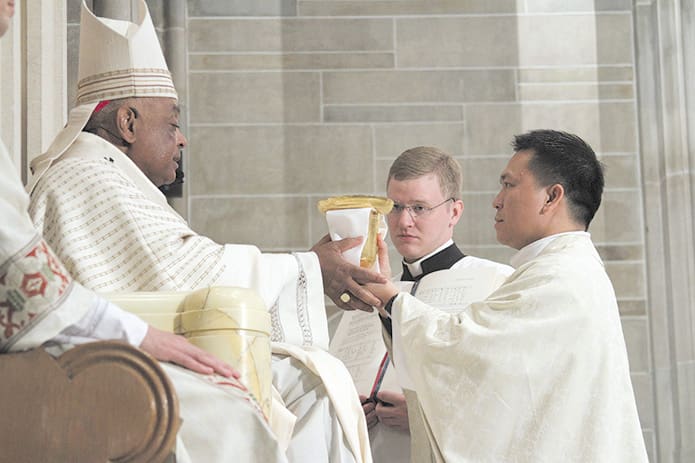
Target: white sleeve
column 291, row 287
column 105, row 321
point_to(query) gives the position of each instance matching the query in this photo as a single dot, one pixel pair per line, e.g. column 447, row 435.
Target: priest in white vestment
column 425, row 185
column 95, row 198
column 537, row 371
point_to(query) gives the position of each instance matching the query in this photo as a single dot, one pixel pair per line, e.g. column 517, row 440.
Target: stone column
column 11, row 88
column 43, row 74
column 665, row 32
column 115, row 9
column 173, row 36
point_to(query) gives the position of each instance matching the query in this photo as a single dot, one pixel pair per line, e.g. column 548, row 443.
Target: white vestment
column 537, row 372
column 115, row 232
column 40, row 302
column 391, row 445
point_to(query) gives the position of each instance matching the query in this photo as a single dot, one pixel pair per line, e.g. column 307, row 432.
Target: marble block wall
column 293, row 101
column 287, row 102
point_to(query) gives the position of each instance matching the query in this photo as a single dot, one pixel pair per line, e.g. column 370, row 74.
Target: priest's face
column 6, row 12
column 425, row 219
column 519, row 219
column 158, row 140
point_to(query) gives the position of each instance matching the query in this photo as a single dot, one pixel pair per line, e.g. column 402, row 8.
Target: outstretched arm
column 105, row 321
column 168, row 347
column 340, row 276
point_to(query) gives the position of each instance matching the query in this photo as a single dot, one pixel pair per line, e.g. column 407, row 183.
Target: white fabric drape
column 537, row 372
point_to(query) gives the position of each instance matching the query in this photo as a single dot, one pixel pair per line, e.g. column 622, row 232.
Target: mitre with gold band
column 117, row 59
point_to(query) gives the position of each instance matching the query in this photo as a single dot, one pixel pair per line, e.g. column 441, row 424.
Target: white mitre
column 118, row 59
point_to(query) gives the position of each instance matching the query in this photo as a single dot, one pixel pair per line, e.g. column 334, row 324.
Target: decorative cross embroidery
column 32, row 283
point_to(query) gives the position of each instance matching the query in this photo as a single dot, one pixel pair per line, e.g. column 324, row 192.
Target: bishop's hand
column 342, row 280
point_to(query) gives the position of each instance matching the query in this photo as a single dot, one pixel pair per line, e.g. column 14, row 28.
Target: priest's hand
column 369, row 409
column 168, row 347
column 342, row 280
column 392, row 410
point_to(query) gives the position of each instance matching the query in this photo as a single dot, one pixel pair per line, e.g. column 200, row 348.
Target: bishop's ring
column 345, row 297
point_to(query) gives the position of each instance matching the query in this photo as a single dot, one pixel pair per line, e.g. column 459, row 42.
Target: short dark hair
column 105, row 117
column 564, row 158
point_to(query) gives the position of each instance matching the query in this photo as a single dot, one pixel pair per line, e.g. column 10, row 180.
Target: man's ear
column 125, row 123
column 456, row 212
column 555, row 194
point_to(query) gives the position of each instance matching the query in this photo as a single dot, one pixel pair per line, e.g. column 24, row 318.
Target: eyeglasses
column 416, row 210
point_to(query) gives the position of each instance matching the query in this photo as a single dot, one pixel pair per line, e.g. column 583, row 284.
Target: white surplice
column 115, row 232
column 537, row 372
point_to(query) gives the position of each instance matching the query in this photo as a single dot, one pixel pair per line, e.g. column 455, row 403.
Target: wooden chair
column 99, row 402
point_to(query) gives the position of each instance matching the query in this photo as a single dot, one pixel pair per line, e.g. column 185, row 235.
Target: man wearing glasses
column 425, row 186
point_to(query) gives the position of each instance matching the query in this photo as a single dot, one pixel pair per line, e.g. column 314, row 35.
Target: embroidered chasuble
column 536, row 372
column 115, row 232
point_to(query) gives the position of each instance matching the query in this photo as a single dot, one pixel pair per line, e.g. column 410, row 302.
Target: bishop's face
column 158, row 143
column 415, row 236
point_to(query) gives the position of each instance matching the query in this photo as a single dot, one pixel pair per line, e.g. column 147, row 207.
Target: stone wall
column 288, row 102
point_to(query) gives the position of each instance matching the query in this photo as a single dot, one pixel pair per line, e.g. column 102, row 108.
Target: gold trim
column 125, row 83
column 124, row 72
column 381, row 204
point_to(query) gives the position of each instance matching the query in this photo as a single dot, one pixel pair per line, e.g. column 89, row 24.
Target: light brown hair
column 423, row 160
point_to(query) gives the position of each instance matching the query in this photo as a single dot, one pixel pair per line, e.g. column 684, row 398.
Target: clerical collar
column 441, row 258
column 532, row 250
